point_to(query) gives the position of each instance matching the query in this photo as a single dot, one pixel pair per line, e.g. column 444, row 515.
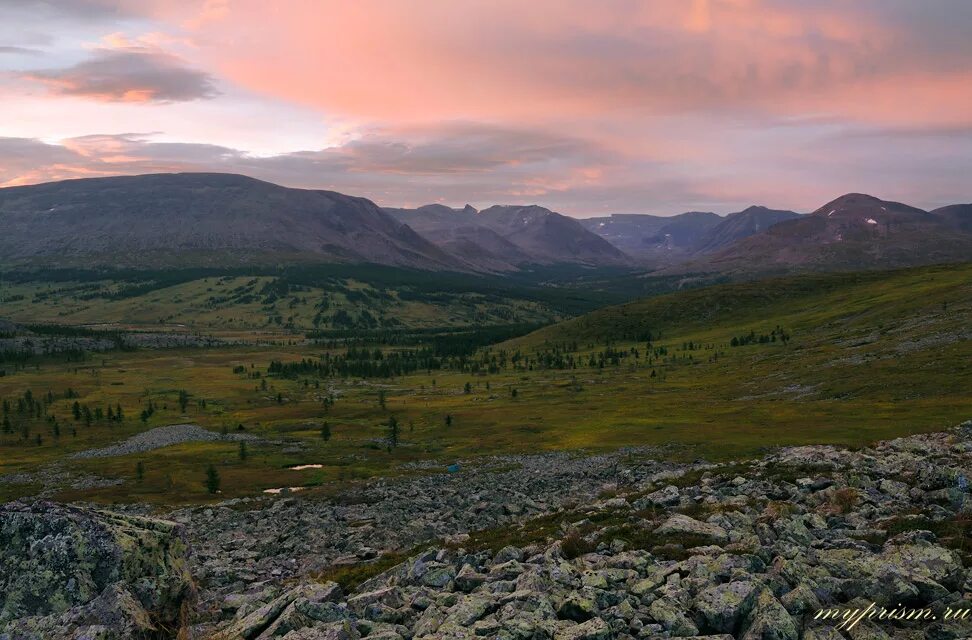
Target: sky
column 588, row 108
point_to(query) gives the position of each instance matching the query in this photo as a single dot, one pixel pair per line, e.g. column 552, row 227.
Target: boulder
column 59, row 562
column 577, row 608
column 671, row 617
column 468, row 579
column 593, row 629
column 723, row 606
column 682, row 525
column 663, row 497
column 769, row 620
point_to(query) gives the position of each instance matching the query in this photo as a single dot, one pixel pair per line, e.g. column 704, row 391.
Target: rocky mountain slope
column 504, row 238
column 200, row 219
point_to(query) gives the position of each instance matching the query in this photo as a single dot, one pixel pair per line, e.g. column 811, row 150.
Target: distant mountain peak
column 862, row 203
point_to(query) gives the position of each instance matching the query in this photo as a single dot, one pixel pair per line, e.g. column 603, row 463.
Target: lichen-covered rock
column 63, row 566
column 682, row 525
column 667, row 496
column 577, row 608
column 305, row 605
column 671, row 618
column 723, row 606
column 594, row 629
column 468, row 578
column 769, row 620
column 330, row 631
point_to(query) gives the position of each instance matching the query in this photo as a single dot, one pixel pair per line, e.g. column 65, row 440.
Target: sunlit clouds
column 590, row 108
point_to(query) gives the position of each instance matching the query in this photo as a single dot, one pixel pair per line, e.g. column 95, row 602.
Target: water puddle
column 284, row 490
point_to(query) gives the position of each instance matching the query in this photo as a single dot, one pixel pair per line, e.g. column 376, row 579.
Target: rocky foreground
column 560, row 548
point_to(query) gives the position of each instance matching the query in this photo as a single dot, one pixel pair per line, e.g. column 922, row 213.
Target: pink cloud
column 555, row 59
column 587, row 107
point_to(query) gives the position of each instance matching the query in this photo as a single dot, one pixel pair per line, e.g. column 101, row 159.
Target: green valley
column 719, row 372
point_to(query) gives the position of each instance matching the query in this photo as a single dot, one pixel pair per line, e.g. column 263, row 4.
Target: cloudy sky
column 586, row 107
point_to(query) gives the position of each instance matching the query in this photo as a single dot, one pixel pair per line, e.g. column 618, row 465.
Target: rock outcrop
column 69, row 572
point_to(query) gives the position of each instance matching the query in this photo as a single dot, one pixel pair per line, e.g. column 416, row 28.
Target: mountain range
column 660, row 240
column 854, row 231
column 504, row 238
column 207, row 219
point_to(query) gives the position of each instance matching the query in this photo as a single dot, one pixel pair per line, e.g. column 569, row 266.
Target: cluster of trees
column 469, row 352
column 358, row 363
column 29, row 413
column 777, row 334
column 17, row 357
column 98, row 414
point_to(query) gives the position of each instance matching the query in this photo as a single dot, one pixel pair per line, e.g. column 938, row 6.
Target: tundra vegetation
column 720, row 372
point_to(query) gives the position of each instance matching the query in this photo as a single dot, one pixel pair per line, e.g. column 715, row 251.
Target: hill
column 825, row 301
column 200, row 219
column 958, row 216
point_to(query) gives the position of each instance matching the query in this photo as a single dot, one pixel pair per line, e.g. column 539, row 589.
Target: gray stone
column 724, row 606
column 593, row 629
column 671, row 617
column 682, row 525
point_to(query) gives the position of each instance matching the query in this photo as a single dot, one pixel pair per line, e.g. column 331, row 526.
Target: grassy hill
column 805, row 302
column 265, row 303
column 300, row 298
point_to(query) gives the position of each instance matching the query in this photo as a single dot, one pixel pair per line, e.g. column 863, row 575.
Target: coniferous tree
column 212, row 479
